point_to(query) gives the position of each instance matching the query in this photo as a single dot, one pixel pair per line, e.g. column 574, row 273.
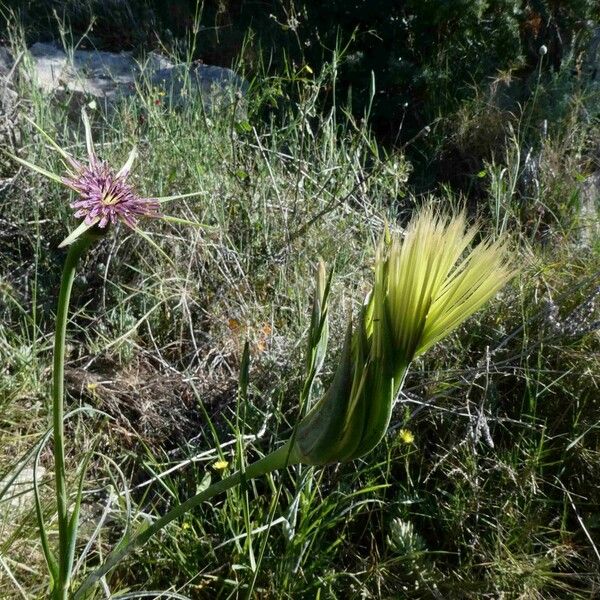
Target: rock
column 589, row 209
column 6, row 61
column 9, row 133
column 8, row 96
column 216, row 86
column 108, row 77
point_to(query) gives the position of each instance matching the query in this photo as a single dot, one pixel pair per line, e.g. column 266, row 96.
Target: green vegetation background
column 488, row 484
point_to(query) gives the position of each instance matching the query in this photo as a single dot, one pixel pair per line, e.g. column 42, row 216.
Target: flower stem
column 278, row 459
column 76, row 251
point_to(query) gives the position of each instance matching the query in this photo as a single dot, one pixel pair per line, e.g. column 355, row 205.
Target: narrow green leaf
column 48, row 554
column 40, row 170
column 244, row 372
column 89, row 141
column 178, row 197
column 155, row 246
column 124, row 171
column 181, row 221
column 66, row 156
column 77, row 232
column 73, row 525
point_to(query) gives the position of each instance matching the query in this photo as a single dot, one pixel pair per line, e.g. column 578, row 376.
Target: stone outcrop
column 107, row 77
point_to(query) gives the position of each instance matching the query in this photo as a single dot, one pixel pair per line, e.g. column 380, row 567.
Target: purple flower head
column 104, row 195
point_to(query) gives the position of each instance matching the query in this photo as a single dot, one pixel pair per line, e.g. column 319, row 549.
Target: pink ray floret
column 106, row 197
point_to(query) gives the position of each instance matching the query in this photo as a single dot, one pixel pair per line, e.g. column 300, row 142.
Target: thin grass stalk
column 278, row 459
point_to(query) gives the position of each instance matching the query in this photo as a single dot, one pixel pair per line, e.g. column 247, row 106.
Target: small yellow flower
column 92, row 388
column 406, row 436
column 220, row 465
column 186, row 526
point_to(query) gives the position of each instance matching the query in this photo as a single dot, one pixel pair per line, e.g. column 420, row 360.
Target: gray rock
column 9, row 132
column 589, row 209
column 19, row 495
column 216, row 86
column 105, row 76
column 7, row 94
column 6, row 61
column 108, row 76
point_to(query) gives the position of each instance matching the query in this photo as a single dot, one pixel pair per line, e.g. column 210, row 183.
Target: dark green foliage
column 425, row 56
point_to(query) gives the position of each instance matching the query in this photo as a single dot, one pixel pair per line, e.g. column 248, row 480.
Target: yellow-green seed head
column 426, row 285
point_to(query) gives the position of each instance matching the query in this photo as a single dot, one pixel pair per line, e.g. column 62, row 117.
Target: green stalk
column 278, row 459
column 76, row 251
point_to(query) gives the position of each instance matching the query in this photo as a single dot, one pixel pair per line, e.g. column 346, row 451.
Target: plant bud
column 426, row 285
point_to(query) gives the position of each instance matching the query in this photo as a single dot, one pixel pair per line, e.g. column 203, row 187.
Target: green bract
column 426, row 285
